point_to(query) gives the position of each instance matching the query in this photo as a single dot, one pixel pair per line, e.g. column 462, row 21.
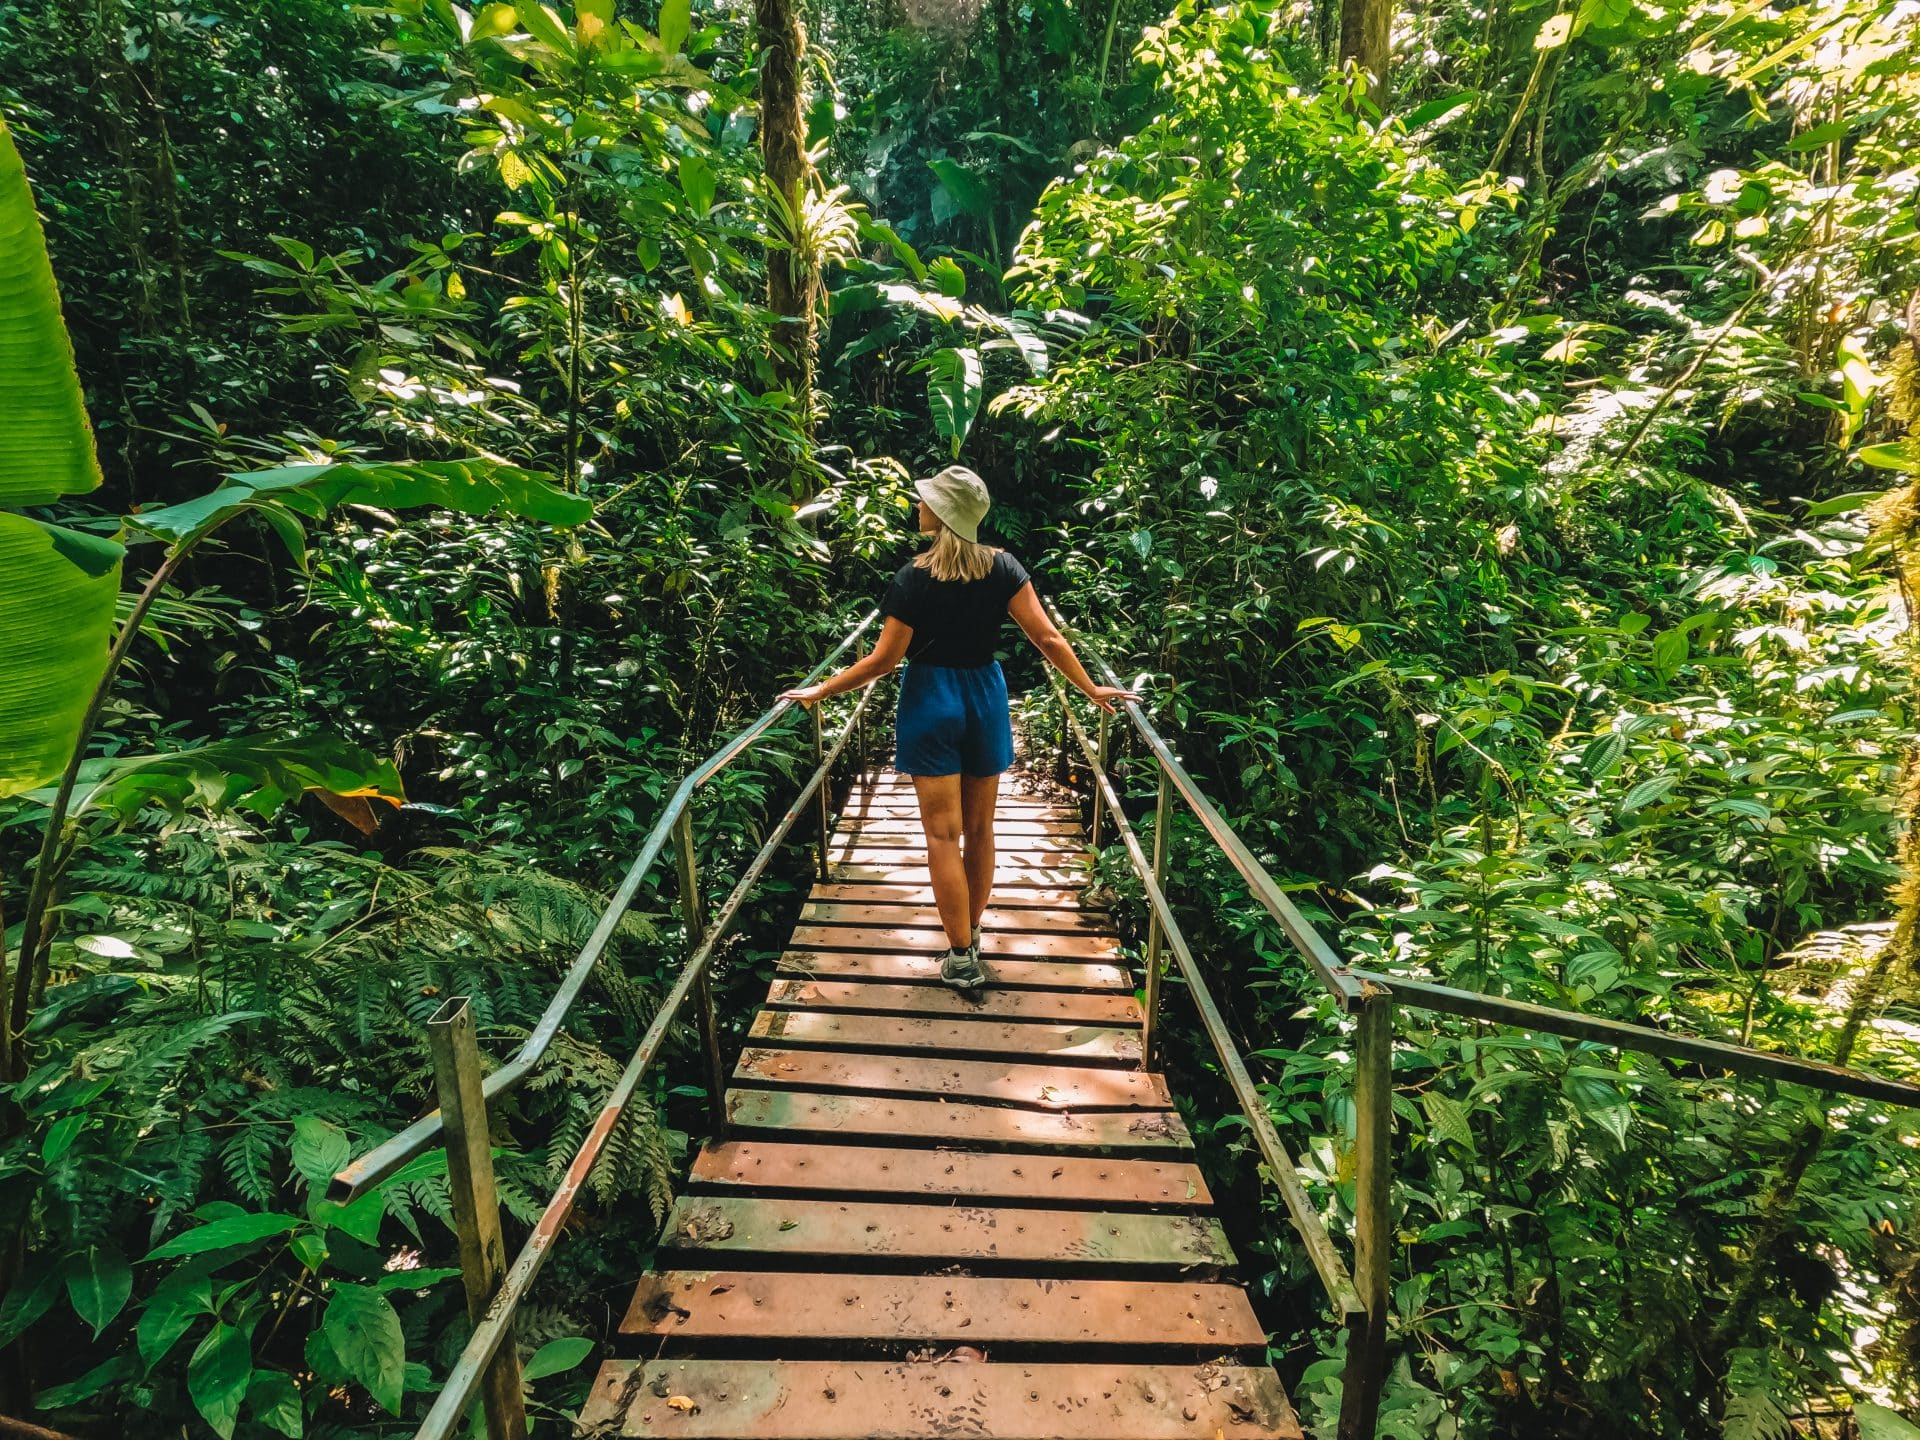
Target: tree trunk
column 793, row 273
column 1366, row 33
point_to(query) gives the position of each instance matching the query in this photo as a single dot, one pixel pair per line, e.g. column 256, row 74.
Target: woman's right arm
column 1047, row 639
column 888, row 651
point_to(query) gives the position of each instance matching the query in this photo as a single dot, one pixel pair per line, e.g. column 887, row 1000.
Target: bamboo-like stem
column 1106, row 53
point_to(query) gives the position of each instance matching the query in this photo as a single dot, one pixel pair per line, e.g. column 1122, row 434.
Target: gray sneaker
column 962, row 969
column 976, row 939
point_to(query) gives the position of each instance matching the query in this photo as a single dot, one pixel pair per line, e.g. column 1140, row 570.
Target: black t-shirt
column 955, row 622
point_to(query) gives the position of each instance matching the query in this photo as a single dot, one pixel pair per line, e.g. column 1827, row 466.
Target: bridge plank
column 925, row 967
column 880, row 1121
column 837, row 1230
column 888, row 1034
column 976, row 1309
column 862, row 1400
column 924, row 917
column 894, row 939
column 1065, row 1007
column 1003, row 826
column 949, row 1174
column 873, row 890
column 858, row 852
column 1007, row 877
column 905, row 805
column 899, row 840
column 1042, row 1087
column 782, row 1114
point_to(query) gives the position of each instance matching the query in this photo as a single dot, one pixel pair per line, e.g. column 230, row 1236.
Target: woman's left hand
column 808, row 695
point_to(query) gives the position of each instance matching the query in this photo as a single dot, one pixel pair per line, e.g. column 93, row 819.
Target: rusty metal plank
column 783, row 1114
column 977, row 1310
column 945, row 1035
column 925, row 967
column 861, row 836
column 1062, row 1007
column 865, row 803
column 1067, row 862
column 870, row 891
column 1042, row 1087
column 900, row 940
column 712, row 1227
column 1006, row 878
column 954, row 1395
column 925, row 917
column 766, row 1165
column 1003, row 825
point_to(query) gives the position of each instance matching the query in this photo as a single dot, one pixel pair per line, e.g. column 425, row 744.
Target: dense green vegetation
column 1508, row 500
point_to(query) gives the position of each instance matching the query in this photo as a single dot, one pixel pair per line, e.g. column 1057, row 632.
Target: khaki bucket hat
column 958, row 497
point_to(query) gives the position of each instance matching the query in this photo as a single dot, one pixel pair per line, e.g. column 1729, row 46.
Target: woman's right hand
column 1108, row 697
column 808, row 695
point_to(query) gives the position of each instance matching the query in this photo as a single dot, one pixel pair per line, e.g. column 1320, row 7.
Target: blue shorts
column 953, row 722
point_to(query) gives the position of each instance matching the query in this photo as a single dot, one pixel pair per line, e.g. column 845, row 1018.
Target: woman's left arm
column 1047, row 639
column 888, row 651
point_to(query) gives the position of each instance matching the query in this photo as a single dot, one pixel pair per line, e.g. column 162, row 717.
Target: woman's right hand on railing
column 808, row 695
column 1109, row 697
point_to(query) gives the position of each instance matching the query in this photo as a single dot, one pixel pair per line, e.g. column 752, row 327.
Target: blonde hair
column 951, row 557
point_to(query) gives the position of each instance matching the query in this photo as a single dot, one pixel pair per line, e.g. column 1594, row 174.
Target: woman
column 954, row 734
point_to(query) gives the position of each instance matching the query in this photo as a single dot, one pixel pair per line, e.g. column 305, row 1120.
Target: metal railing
column 1359, row 1299
column 489, row 1366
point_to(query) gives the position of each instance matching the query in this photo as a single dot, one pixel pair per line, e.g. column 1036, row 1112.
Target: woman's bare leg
column 940, row 820
column 978, row 793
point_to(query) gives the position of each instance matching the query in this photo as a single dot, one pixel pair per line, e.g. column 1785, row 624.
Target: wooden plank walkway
column 940, row 1214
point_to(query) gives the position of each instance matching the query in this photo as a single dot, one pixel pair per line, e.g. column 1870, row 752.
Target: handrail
column 1344, row 981
column 386, row 1158
column 1331, row 969
column 1369, row 997
column 1280, row 1164
column 1625, row 1035
column 496, row 1326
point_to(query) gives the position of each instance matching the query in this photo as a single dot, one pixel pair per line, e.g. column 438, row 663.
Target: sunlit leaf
column 46, row 445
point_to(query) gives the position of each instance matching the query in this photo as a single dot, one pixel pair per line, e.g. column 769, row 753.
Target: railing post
column 1063, row 767
column 820, row 795
column 476, row 1205
column 1094, row 840
column 1150, row 1029
column 1373, row 1220
column 687, row 861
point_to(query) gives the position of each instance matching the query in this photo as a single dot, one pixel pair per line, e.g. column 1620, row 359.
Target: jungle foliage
column 1509, row 498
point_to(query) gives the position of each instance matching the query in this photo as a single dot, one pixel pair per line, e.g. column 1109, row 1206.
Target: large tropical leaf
column 472, row 487
column 57, row 593
column 46, row 447
column 961, row 191
column 57, row 587
column 954, row 387
column 254, row 772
